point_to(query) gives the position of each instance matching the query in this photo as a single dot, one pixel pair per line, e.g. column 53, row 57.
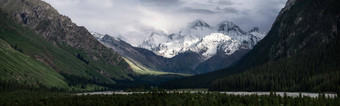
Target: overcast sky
column 122, row 16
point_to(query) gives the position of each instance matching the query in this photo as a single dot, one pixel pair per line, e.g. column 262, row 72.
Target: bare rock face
column 59, row 30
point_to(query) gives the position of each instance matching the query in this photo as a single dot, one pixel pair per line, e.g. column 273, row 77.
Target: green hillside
column 27, row 58
column 15, row 66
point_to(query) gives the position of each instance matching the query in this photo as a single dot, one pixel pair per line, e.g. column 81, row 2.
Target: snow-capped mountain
column 97, row 35
column 206, row 46
column 155, row 38
column 146, row 59
column 197, row 48
column 201, row 38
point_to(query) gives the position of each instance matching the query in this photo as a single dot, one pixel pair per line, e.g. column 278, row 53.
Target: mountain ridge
column 195, row 32
column 150, row 59
column 37, row 30
column 198, row 41
column 43, row 18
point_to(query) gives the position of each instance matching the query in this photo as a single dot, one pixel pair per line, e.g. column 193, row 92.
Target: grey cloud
column 225, row 2
column 161, row 2
column 200, row 11
column 226, row 10
column 125, row 16
column 230, row 10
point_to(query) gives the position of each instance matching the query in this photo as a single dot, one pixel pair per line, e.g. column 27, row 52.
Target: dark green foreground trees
column 160, row 99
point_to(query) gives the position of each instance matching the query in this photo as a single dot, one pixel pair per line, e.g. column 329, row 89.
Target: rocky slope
column 67, row 48
column 57, row 28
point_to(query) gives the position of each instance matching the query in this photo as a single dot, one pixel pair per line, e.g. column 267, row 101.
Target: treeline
column 82, row 82
column 75, row 83
column 298, row 73
column 141, row 81
column 171, row 99
column 73, row 80
column 10, row 85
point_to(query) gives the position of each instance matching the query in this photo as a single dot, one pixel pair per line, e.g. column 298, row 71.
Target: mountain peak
column 255, row 29
column 227, row 22
column 97, row 35
column 229, row 28
column 198, row 23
